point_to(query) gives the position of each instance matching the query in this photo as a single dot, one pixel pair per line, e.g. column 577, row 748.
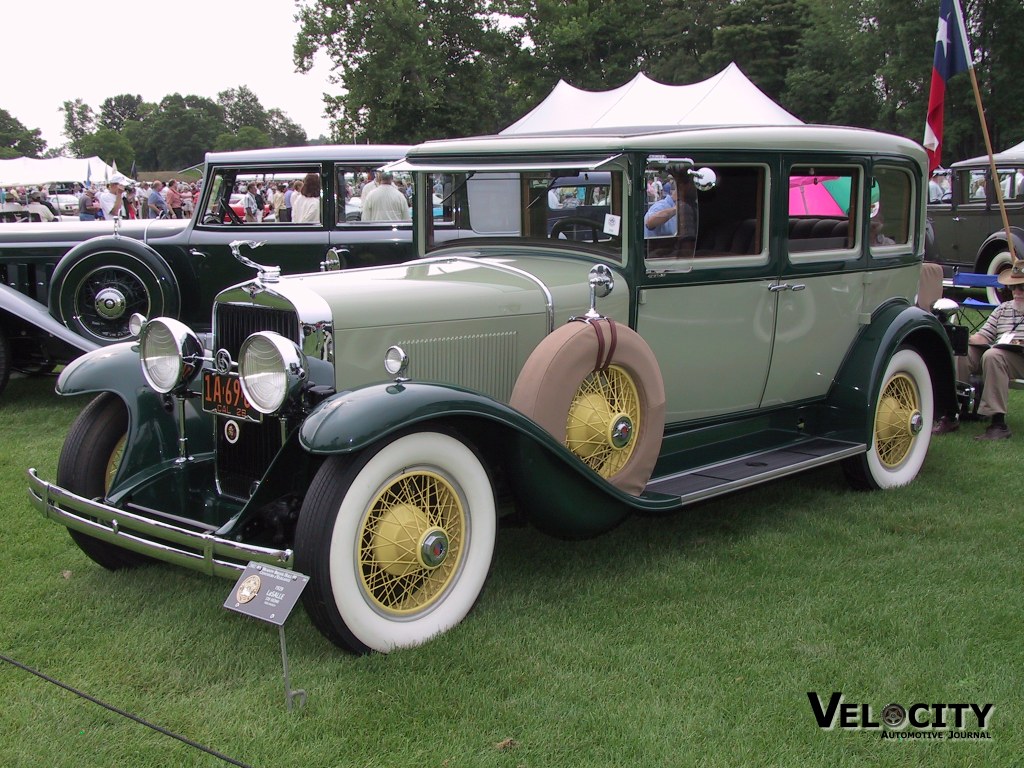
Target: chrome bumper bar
column 162, row 541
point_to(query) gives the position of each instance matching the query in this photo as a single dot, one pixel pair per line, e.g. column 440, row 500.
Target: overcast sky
column 61, row 50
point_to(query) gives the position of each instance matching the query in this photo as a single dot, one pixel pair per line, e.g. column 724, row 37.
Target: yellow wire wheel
column 898, row 420
column 603, row 420
column 411, row 542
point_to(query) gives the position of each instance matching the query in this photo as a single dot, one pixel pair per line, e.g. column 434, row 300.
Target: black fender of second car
column 859, row 381
column 22, row 309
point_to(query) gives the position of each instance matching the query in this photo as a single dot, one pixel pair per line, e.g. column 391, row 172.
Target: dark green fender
column 550, row 485
column 858, row 384
column 152, row 428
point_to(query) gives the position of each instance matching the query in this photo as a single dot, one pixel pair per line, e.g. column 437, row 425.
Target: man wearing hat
column 996, row 351
column 38, row 207
column 112, row 198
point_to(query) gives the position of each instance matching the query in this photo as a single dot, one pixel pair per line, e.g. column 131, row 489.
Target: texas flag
column 952, row 56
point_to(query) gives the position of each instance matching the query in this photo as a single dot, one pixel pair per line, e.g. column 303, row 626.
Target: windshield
column 553, row 208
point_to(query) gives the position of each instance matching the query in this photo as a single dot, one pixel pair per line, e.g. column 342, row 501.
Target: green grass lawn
column 686, row 640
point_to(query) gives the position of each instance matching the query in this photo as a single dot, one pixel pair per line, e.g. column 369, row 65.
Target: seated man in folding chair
column 996, row 351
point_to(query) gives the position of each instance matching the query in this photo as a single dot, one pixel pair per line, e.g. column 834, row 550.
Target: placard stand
column 268, row 593
column 290, row 694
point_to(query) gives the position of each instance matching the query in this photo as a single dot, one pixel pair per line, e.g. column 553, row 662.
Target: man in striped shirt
column 996, row 352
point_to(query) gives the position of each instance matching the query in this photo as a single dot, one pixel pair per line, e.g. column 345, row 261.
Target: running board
column 755, row 468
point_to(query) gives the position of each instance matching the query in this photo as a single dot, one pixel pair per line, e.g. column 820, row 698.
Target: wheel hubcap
column 603, row 419
column 412, row 541
column 110, row 304
column 898, row 420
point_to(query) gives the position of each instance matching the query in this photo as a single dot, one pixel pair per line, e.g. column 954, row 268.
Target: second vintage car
column 966, row 232
column 366, row 427
column 66, row 288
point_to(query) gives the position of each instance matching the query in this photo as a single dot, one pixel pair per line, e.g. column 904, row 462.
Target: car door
column 840, row 255
column 707, row 311
column 960, row 228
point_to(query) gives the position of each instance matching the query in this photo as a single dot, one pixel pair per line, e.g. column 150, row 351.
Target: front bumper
column 197, row 550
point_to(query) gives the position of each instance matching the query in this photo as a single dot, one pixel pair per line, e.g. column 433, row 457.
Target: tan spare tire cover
column 555, row 374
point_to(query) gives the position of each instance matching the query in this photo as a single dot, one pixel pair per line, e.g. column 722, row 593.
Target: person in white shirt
column 306, row 202
column 112, row 198
column 386, row 202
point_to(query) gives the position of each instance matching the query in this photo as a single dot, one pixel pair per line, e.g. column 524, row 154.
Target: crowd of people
column 118, row 197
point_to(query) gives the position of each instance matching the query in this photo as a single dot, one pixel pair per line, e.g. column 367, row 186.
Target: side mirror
column 704, row 179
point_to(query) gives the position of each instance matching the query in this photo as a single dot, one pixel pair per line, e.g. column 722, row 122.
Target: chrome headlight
column 270, row 368
column 171, row 354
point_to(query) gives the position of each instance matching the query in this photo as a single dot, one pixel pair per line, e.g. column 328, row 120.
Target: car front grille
column 236, row 322
column 244, row 461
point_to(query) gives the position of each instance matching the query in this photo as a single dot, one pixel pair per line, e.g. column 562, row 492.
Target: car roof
column 808, row 138
column 335, row 152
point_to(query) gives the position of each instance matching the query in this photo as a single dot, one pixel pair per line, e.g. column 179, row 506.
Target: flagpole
column 992, row 165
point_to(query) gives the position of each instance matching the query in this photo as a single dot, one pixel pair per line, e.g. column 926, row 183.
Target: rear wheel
column 397, row 541
column 88, row 464
column 901, row 426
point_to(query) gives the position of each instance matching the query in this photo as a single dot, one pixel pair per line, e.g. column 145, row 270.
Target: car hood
column 70, row 233
column 461, row 285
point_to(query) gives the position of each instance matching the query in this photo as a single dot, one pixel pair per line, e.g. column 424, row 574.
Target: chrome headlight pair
column 271, row 368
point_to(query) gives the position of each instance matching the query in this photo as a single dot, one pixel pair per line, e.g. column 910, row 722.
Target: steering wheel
column 570, row 222
column 234, row 217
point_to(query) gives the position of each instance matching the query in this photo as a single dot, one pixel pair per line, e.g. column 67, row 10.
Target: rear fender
column 857, row 387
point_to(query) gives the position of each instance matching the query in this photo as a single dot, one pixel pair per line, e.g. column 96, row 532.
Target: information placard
column 266, row 593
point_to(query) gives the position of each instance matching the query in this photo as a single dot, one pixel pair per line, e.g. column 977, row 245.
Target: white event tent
column 728, row 98
column 27, row 170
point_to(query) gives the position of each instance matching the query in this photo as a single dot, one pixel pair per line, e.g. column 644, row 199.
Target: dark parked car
column 67, row 288
column 965, row 231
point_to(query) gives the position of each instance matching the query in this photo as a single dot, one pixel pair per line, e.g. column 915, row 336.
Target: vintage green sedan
column 733, row 306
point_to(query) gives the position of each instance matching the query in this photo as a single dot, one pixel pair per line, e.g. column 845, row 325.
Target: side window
column 369, row 196
column 255, row 196
column 823, row 203
column 718, row 224
column 563, row 209
column 975, row 190
column 892, row 202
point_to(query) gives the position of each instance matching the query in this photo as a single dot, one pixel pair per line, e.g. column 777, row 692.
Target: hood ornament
column 263, row 274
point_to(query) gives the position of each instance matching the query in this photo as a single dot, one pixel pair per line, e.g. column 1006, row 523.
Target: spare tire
column 101, row 283
column 597, row 388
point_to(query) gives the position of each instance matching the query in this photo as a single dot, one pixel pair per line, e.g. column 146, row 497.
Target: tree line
column 419, row 69
column 405, row 71
column 174, row 133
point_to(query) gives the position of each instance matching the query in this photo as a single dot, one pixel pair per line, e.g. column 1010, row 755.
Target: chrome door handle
column 786, row 287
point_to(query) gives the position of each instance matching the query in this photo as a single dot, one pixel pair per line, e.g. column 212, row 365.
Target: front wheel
column 397, row 541
column 88, row 464
column 999, row 264
column 901, row 426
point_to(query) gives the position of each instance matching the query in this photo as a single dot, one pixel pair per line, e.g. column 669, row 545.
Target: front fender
column 858, row 385
column 1000, row 240
column 152, row 425
column 353, row 420
column 38, row 316
column 555, row 489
